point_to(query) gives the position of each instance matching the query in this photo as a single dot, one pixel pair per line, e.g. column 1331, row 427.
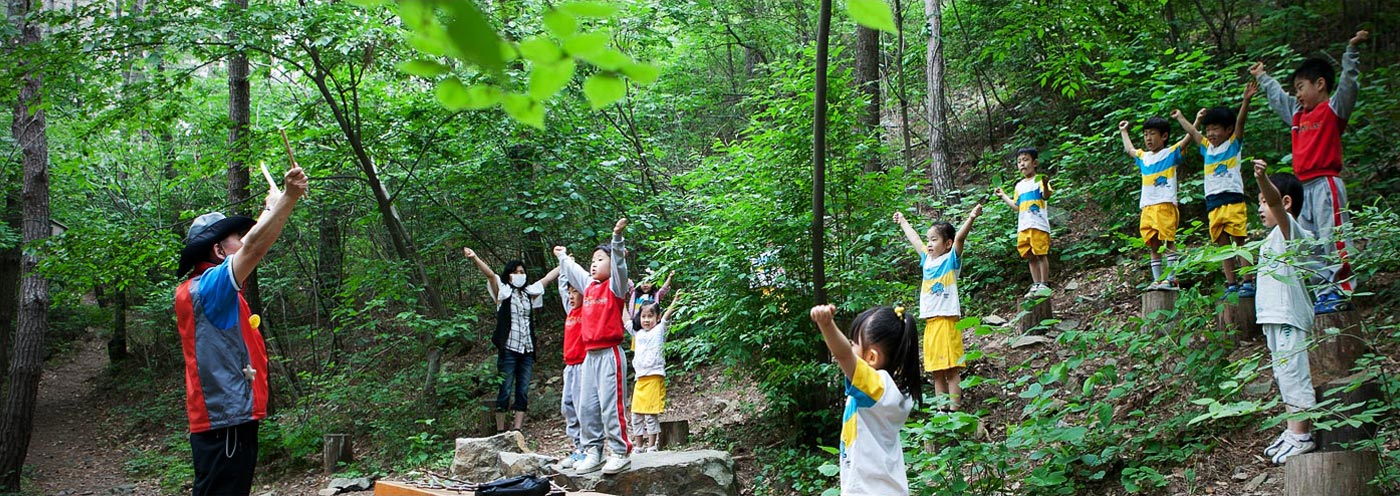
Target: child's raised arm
column 1280, row 101
column 571, row 270
column 910, row 234
column 618, row 277
column 1128, row 147
column 1273, row 199
column 840, row 347
column 1250, row 89
column 666, row 316
column 1344, row 97
column 1192, row 135
column 966, row 228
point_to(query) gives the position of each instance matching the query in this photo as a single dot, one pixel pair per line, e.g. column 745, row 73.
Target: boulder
column 994, row 320
column 695, row 473
column 478, row 459
column 513, row 464
column 1030, row 340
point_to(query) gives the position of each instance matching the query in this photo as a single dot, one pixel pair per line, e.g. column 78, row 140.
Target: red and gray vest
column 218, row 392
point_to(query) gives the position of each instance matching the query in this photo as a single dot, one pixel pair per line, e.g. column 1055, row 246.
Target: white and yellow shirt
column 1031, row 204
column 1158, row 175
column 872, row 458
column 1222, row 166
column 938, row 295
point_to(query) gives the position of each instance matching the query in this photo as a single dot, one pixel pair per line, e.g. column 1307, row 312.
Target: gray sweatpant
column 602, row 381
column 1324, row 213
column 567, row 406
column 1288, row 350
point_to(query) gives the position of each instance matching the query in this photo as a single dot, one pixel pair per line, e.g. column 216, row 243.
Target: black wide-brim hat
column 206, row 230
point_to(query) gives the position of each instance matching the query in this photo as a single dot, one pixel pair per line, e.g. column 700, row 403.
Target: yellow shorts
column 1032, row 242
column 1158, row 221
column 943, row 344
column 1228, row 219
column 649, row 395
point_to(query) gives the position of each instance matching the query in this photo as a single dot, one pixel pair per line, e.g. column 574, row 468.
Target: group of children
column 880, row 359
column 601, row 305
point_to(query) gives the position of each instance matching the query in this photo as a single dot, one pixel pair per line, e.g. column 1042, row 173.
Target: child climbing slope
column 882, row 347
column 941, row 261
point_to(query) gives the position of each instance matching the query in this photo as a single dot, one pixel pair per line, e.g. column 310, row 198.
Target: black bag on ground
column 524, row 485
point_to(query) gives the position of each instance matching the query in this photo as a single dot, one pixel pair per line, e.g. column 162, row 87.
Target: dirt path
column 70, row 453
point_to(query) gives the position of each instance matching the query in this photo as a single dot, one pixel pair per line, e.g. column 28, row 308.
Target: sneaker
column 1247, row 289
column 1278, row 443
column 571, row 460
column 1293, row 445
column 591, row 462
column 1230, row 290
column 1330, row 303
column 616, row 464
column 1155, row 286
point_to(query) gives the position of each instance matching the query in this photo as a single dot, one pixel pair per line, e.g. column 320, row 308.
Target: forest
column 758, row 150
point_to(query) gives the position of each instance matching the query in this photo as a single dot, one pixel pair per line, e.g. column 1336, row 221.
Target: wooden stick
column 292, row 158
column 271, row 183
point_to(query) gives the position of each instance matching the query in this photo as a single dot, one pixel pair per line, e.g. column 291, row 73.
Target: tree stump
column 1159, row 306
column 1333, row 355
column 1333, row 473
column 1239, row 317
column 673, row 433
column 336, row 449
column 1034, row 311
column 1348, row 403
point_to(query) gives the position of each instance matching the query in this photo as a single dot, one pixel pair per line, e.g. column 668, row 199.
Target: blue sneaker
column 1330, row 303
column 1247, row 289
column 1230, row 289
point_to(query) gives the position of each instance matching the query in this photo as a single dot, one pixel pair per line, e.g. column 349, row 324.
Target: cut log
column 674, row 433
column 1238, row 320
column 335, row 449
column 1333, row 355
column 1348, row 403
column 1033, row 312
column 1334, row 473
column 1159, row 306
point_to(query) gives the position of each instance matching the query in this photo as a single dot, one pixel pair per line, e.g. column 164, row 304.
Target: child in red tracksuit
column 603, row 373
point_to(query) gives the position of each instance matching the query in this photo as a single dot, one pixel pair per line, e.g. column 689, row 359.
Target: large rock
column 695, row 473
column 478, row 459
column 513, row 464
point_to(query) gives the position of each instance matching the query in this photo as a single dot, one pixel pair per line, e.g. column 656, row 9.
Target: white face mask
column 517, row 279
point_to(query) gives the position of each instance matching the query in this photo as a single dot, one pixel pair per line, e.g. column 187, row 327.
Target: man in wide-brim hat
column 225, row 357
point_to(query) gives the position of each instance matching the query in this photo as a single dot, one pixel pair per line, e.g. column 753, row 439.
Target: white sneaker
column 1278, row 443
column 616, row 464
column 1294, row 445
column 591, row 462
column 571, row 460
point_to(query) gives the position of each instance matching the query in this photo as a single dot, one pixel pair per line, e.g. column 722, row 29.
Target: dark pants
column 224, row 460
column 515, row 371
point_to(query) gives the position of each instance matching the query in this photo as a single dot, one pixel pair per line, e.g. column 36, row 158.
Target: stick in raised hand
column 291, row 158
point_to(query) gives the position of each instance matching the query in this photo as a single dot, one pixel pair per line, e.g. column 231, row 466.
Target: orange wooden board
column 391, row 488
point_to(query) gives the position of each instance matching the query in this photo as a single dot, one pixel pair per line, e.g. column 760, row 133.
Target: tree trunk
column 819, row 157
column 9, row 281
column 329, row 262
column 904, row 132
column 940, row 171
column 27, row 361
column 868, row 84
column 116, row 346
column 239, row 193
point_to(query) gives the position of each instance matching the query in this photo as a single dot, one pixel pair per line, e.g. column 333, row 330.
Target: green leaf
column 369, row 3
column 829, row 469
column 540, row 50
column 547, row 79
column 596, row 10
column 873, row 14
column 608, row 59
column 586, row 44
column 428, row 43
column 452, row 94
column 524, row 109
column 482, row 96
column 643, row 74
column 473, row 36
column 603, row 90
column 560, row 24
column 423, row 68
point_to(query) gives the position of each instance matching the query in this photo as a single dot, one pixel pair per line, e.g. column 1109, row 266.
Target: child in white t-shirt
column 1283, row 307
column 883, row 346
column 649, row 360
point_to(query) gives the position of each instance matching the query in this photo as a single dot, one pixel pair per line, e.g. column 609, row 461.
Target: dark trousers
column 516, row 369
column 224, row 460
